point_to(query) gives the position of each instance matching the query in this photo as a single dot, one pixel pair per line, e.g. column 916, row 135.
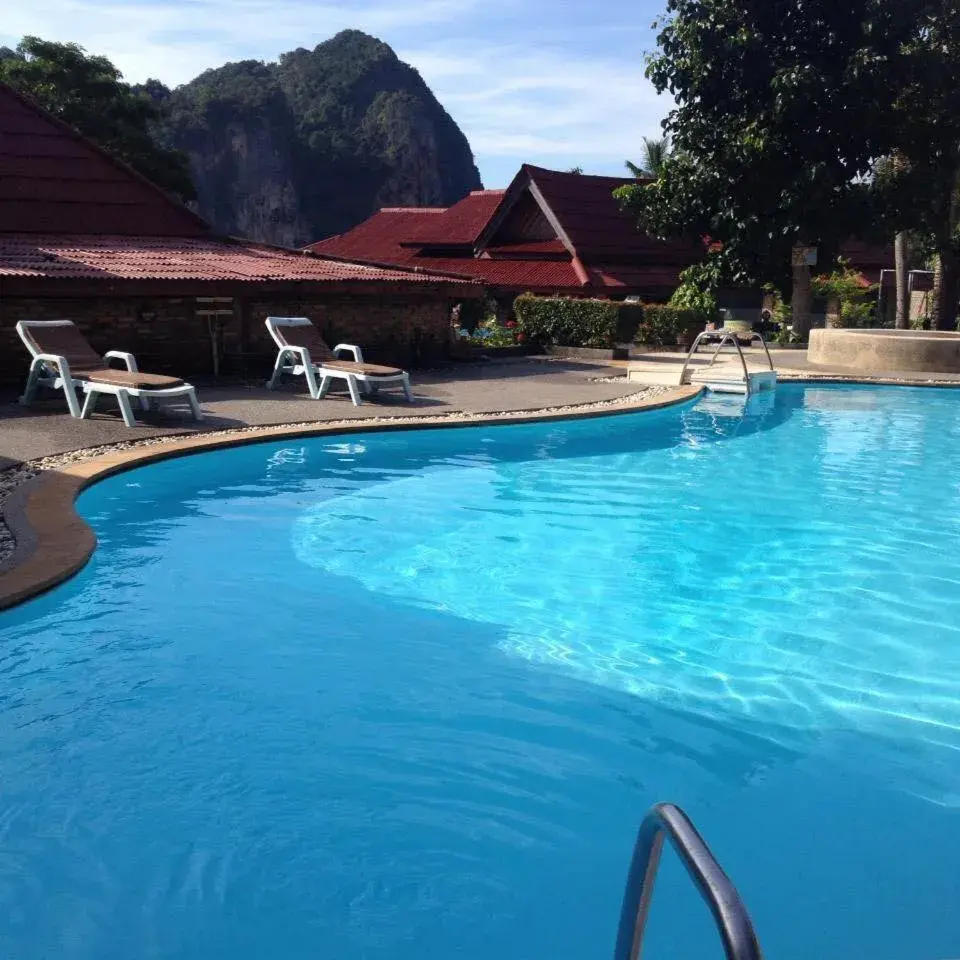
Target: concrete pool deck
column 475, row 388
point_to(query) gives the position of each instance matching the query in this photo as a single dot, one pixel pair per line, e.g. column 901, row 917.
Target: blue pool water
column 408, row 696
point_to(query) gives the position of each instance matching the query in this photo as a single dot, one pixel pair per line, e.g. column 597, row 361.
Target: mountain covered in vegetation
column 294, row 151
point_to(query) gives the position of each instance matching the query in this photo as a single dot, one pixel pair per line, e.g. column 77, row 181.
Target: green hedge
column 662, row 324
column 576, row 322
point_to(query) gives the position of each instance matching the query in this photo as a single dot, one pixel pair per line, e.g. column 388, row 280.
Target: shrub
column 493, row 334
column 576, row 322
column 663, row 323
column 856, row 313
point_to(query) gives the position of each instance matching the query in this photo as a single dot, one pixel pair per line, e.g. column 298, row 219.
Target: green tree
column 88, row 92
column 782, row 106
column 926, row 188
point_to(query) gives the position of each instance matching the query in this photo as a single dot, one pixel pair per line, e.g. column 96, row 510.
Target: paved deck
column 47, row 429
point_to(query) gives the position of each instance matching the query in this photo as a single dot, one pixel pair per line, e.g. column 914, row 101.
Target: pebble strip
column 12, row 477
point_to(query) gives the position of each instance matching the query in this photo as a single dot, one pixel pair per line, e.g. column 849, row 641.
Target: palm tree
column 903, row 292
column 655, row 153
column 887, row 171
column 900, row 256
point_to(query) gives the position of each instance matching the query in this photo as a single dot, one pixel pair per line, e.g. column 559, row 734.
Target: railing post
column 729, row 913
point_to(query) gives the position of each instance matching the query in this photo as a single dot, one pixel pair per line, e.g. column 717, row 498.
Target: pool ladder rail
column 730, row 915
column 721, row 381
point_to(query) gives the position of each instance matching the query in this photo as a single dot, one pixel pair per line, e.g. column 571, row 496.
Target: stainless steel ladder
column 730, row 915
column 726, row 337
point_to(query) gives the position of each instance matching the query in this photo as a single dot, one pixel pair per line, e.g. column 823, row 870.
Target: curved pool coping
column 54, row 543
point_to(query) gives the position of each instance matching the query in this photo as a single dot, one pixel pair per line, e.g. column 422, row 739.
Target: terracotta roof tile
column 170, row 258
column 52, row 180
column 654, row 275
column 595, row 223
column 528, row 247
column 460, row 224
column 378, row 237
column 520, row 274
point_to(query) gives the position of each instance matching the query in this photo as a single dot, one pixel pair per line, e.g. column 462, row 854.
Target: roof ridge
column 412, row 210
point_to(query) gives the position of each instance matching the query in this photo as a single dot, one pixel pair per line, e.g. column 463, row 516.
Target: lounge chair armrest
column 57, row 360
column 127, row 358
column 299, row 353
column 351, row 348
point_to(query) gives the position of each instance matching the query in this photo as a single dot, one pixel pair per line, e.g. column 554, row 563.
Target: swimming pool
column 409, row 695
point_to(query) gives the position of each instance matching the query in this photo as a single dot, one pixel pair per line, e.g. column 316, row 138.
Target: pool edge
column 54, row 543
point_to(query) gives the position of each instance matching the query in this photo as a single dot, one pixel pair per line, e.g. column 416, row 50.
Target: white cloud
column 572, row 98
column 545, row 105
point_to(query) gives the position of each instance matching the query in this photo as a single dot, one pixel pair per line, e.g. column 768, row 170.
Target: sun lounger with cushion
column 64, row 360
column 301, row 350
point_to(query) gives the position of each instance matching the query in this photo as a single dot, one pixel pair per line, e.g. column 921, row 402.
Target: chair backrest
column 299, row 332
column 62, row 338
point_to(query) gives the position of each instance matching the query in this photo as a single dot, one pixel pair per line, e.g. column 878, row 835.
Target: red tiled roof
column 594, row 222
column 379, row 237
column 460, row 224
column 521, row 274
column 169, row 258
column 867, row 257
column 635, row 277
column 528, row 247
column 52, row 180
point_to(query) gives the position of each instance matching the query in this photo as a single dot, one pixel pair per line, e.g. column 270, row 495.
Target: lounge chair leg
column 310, row 372
column 89, row 402
column 354, row 391
column 33, row 382
column 123, row 398
column 277, row 368
column 194, row 405
column 144, row 402
column 406, row 388
column 324, row 387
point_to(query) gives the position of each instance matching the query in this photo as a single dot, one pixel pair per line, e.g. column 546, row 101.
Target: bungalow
column 84, row 237
column 549, row 232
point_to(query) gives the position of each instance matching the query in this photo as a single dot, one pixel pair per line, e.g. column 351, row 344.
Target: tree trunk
column 800, row 302
column 903, row 292
column 946, row 291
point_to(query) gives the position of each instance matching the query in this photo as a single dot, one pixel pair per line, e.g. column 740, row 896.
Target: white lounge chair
column 64, row 360
column 301, row 350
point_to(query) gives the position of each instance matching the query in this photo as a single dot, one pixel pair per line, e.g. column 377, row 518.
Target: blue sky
column 550, row 82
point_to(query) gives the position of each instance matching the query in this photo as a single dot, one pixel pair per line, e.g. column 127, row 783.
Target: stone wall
column 167, row 335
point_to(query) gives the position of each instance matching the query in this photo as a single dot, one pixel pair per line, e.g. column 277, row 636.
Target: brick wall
column 167, row 335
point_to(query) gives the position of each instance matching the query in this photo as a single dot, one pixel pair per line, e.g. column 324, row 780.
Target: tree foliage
column 784, row 109
column 88, row 92
column 777, row 122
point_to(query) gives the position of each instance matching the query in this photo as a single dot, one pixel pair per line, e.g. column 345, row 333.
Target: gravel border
column 13, row 477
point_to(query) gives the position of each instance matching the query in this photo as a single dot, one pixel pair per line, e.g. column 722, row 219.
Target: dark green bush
column 663, row 323
column 576, row 322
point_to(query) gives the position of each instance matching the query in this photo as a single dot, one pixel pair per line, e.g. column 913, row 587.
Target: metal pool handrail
column 725, row 337
column 729, row 913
